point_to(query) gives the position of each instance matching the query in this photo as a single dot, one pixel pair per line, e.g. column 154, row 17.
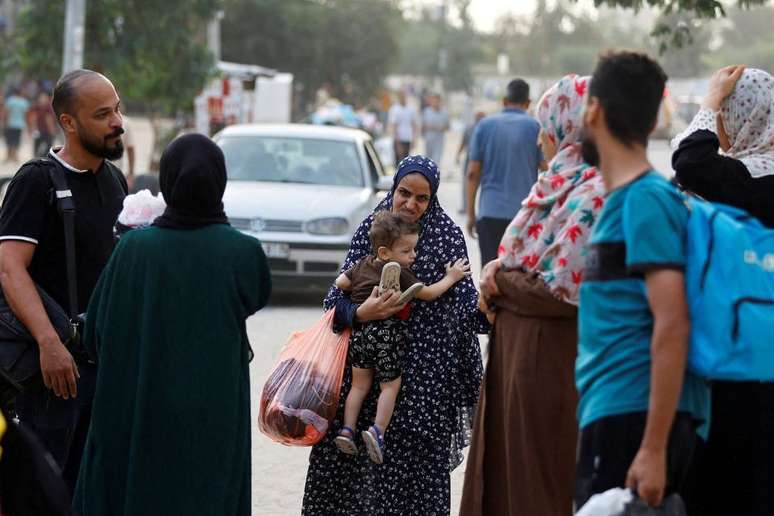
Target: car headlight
column 328, row 226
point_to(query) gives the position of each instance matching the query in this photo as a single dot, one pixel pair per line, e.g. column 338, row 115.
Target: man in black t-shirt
column 32, row 251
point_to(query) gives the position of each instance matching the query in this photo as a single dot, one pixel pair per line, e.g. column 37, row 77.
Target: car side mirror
column 384, row 184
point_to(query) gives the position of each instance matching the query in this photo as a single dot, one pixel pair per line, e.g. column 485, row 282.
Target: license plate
column 276, row 250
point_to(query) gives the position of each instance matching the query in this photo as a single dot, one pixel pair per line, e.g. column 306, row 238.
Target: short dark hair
column 65, row 92
column 387, row 228
column 517, row 92
column 630, row 87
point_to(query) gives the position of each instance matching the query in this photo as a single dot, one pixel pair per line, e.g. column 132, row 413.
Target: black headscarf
column 192, row 180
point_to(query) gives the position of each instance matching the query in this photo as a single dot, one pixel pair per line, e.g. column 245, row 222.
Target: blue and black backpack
column 730, row 289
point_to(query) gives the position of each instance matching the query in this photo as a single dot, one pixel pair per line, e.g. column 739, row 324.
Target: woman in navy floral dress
column 442, row 374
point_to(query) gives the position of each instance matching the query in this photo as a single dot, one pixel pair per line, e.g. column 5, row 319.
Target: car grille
column 321, row 267
column 271, row 225
column 278, row 264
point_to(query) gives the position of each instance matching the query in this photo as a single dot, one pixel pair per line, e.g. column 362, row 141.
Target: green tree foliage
column 559, row 38
column 462, row 49
column 347, row 45
column 551, row 42
column 418, row 47
column 678, row 33
column 686, row 59
column 36, row 46
column 432, row 47
column 746, row 39
column 154, row 51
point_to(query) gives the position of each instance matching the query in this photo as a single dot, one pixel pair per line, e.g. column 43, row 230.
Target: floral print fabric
column 705, row 120
column 748, row 118
column 549, row 233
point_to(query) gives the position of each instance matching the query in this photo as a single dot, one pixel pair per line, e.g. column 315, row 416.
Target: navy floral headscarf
column 443, row 368
column 418, row 165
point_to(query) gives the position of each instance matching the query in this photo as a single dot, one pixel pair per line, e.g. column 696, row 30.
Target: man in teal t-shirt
column 16, row 108
column 638, row 407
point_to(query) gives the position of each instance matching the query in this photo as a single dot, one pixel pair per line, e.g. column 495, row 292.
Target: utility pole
column 213, row 35
column 75, row 22
column 443, row 52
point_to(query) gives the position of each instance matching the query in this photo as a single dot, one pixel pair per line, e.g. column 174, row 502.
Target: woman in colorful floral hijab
column 549, row 233
column 525, row 428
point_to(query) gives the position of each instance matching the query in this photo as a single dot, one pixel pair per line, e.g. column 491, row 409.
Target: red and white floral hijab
column 748, row 118
column 549, row 233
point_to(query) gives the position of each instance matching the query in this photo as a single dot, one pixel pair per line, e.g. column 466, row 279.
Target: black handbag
column 19, row 354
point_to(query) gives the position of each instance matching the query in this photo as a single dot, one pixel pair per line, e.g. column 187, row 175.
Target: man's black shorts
column 379, row 345
column 12, row 137
column 608, row 446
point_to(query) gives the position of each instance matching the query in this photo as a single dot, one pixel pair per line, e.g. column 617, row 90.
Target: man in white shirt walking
column 404, row 125
column 435, row 123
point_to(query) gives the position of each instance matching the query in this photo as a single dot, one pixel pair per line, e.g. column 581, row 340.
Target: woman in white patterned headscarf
column 737, row 117
column 748, row 119
column 734, row 470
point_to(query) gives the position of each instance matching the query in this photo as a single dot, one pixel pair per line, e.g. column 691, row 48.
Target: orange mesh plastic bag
column 300, row 397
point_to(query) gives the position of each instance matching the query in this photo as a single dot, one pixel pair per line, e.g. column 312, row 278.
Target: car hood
column 293, row 201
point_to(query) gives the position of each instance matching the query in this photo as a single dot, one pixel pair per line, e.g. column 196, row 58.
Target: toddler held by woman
column 377, row 347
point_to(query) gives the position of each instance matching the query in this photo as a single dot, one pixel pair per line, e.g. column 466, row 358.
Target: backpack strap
column 66, row 207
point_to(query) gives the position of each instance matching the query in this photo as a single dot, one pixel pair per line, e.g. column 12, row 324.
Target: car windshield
column 292, row 160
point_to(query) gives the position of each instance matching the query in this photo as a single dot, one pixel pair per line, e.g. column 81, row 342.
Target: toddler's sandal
column 390, row 279
column 409, row 294
column 345, row 443
column 374, row 444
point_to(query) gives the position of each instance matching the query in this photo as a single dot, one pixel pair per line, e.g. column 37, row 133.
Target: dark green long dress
column 170, row 431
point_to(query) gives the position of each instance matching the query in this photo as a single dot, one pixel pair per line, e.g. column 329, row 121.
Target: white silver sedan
column 302, row 190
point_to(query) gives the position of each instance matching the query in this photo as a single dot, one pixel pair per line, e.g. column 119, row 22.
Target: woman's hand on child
column 486, row 310
column 378, row 307
column 459, row 269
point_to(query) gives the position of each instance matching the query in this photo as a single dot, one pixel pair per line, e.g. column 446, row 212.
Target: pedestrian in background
column 403, row 126
column 435, row 123
column 734, row 470
column 15, row 116
column 467, row 135
column 504, row 161
column 171, row 427
column 638, row 406
column 44, row 122
column 32, row 253
column 526, row 430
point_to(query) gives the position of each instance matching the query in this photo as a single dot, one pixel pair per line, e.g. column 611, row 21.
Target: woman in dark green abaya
column 170, row 431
